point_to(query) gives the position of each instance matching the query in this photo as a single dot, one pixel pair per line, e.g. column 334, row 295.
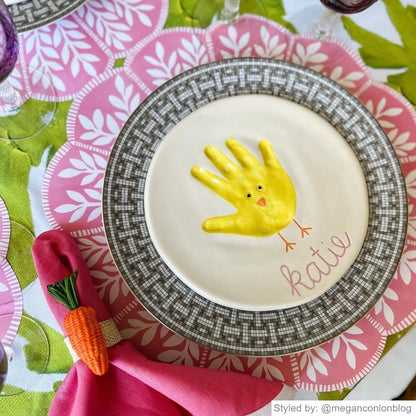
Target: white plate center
column 257, row 273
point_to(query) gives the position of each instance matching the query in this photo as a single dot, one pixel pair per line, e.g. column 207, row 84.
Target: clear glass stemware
column 21, row 115
column 205, row 12
column 24, row 355
column 335, row 8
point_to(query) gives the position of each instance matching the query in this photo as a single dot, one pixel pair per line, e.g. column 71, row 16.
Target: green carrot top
column 65, row 291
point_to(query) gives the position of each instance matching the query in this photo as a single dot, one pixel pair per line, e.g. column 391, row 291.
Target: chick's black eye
column 248, row 195
column 259, row 187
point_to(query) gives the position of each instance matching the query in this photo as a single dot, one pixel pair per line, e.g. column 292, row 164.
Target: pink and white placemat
column 11, row 298
column 105, row 90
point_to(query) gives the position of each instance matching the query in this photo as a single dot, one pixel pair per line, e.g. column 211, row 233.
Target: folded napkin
column 133, row 384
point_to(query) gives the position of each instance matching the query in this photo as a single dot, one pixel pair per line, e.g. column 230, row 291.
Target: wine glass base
column 30, row 349
column 28, row 118
column 205, row 12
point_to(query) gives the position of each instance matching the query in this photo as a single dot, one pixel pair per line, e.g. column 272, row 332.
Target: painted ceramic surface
column 100, row 109
column 245, row 272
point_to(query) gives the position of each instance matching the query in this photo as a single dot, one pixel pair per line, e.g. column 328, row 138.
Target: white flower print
column 348, row 80
column 126, row 102
column 400, row 142
column 74, row 47
column 16, row 79
column 412, row 221
column 194, row 53
column 271, row 47
column 95, row 250
column 380, row 111
column 100, row 130
column 267, row 368
column 165, row 68
column 90, row 166
column 407, row 267
column 109, row 280
column 145, row 326
column 350, row 344
column 105, row 274
column 238, row 47
column 131, row 8
column 185, row 355
column 63, row 43
column 45, row 57
column 411, row 183
column 309, row 56
column 225, row 362
column 313, row 361
column 88, row 201
column 383, row 307
column 101, row 16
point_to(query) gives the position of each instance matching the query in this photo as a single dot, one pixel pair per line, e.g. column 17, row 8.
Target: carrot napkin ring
column 111, row 335
column 81, row 324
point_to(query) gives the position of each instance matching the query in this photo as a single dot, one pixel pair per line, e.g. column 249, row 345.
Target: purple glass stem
column 348, row 6
column 9, row 44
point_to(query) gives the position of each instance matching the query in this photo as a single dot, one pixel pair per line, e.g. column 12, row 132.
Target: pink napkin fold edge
column 64, row 257
column 241, row 392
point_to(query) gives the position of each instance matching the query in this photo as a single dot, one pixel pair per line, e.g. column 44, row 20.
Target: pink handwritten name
column 321, row 266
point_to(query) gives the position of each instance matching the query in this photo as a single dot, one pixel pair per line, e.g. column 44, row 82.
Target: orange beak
column 261, row 202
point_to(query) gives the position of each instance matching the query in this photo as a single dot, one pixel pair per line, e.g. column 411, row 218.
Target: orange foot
column 304, row 230
column 289, row 245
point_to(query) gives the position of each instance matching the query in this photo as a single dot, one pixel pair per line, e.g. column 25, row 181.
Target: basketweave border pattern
column 32, row 14
column 233, row 331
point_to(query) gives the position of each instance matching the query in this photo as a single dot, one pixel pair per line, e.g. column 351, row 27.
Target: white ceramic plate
column 258, row 273
column 181, row 301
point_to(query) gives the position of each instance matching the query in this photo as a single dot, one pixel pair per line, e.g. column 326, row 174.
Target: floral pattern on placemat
column 105, row 98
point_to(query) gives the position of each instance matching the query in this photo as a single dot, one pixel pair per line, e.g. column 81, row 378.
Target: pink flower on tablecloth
column 395, row 115
column 72, row 187
column 74, row 182
column 406, row 271
column 309, row 55
column 382, row 113
column 146, row 329
column 412, row 221
column 251, row 36
column 411, row 183
column 87, row 42
column 267, row 368
column 99, row 125
column 331, row 59
column 271, row 45
column 16, row 77
column 180, row 351
column 120, row 24
column 401, row 143
column 342, row 361
column 159, row 59
column 55, row 48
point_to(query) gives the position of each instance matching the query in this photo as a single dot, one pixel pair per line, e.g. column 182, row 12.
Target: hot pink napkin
column 133, row 384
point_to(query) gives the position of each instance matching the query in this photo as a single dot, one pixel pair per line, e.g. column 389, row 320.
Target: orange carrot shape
column 81, row 325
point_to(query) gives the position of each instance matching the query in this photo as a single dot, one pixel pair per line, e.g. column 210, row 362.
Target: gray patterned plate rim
column 32, row 14
column 233, row 331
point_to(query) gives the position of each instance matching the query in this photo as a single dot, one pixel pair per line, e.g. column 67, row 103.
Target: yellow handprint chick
column 263, row 195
